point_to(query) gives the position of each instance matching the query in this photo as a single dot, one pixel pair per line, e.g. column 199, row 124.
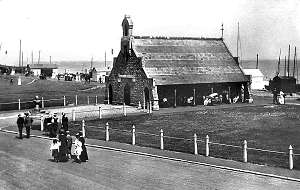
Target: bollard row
column 207, row 142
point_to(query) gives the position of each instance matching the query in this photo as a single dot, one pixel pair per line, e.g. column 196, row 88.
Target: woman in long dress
column 83, row 156
column 77, row 147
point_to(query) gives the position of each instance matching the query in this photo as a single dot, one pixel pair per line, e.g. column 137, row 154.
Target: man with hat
column 27, row 123
column 20, row 123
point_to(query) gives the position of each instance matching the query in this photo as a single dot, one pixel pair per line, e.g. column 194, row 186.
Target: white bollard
column 133, row 135
column 76, row 98
column 42, row 123
column 43, row 104
column 73, row 115
column 19, row 104
column 150, row 107
column 139, row 106
column 245, row 152
column 19, row 81
column 88, row 100
column 161, row 139
column 96, row 100
column 195, row 144
column 64, row 100
column 291, row 161
column 100, row 114
column 107, row 132
column 207, row 146
column 124, row 109
column 83, row 128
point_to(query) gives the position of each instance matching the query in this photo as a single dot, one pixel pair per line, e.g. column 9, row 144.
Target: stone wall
column 128, row 70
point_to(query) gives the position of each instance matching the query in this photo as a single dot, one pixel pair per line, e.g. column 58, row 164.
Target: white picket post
column 195, row 144
column 83, row 128
column 43, row 104
column 19, row 104
column 107, row 132
column 150, row 107
column 73, row 115
column 161, row 139
column 207, row 146
column 64, row 100
column 76, row 99
column 88, row 100
column 291, row 161
column 96, row 100
column 133, row 135
column 42, row 123
column 245, row 151
column 100, row 114
column 124, row 109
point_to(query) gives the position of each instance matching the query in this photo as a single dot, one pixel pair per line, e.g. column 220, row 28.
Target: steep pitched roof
column 187, row 60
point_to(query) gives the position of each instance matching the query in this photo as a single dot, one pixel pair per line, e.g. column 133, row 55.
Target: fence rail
column 62, row 101
column 160, row 139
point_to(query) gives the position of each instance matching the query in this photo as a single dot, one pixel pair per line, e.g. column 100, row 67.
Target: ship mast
column 278, row 69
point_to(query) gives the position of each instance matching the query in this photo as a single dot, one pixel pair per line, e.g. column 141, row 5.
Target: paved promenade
column 26, row 164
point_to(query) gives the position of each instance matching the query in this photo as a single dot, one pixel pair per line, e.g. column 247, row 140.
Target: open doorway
column 127, row 94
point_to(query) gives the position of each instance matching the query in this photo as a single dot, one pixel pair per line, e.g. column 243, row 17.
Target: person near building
column 275, row 93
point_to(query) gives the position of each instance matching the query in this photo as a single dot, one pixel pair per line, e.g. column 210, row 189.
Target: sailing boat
column 287, row 82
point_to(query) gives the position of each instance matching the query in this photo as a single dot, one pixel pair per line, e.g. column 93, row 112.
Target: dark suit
column 27, row 123
column 20, row 123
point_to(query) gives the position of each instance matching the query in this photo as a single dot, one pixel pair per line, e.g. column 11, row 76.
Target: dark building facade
column 171, row 71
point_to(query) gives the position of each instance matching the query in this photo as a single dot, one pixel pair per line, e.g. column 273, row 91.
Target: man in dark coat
column 275, row 93
column 20, row 123
column 27, row 123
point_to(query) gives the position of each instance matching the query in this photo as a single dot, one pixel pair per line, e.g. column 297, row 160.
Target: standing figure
column 83, row 156
column 281, row 97
column 65, row 121
column 69, row 144
column 20, row 123
column 27, row 123
column 63, row 149
column 54, row 148
column 275, row 101
column 77, row 147
column 37, row 103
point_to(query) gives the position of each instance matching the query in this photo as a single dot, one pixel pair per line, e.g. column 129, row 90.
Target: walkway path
column 26, row 164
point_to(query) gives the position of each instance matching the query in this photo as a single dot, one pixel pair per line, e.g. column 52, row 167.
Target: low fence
column 194, row 145
column 60, row 101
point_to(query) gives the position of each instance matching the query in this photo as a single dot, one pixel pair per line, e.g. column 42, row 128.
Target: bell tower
column 127, row 26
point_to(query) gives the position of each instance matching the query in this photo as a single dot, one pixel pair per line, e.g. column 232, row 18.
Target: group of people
column 61, row 147
column 24, row 120
column 52, row 126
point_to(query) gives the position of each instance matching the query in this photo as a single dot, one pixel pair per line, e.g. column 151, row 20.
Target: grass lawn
column 48, row 89
column 265, row 127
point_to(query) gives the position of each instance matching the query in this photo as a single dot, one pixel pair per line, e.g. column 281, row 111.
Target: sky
column 74, row 30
